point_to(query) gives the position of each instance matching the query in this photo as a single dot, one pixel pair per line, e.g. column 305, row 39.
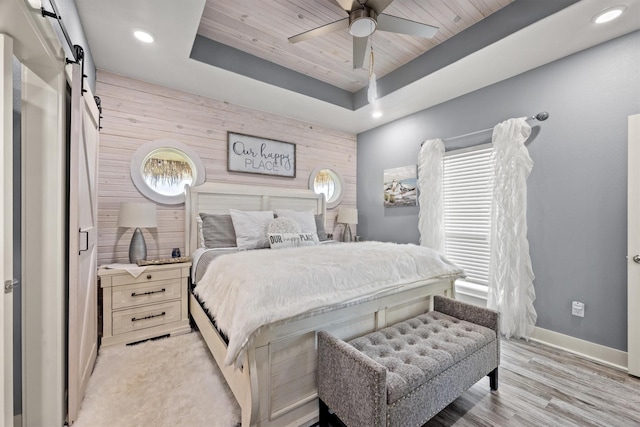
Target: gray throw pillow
column 320, row 231
column 218, row 231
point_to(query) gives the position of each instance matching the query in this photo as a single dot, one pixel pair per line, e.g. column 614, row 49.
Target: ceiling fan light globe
column 363, row 27
column 362, row 22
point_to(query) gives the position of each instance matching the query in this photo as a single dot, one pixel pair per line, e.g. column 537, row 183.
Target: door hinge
column 9, row 285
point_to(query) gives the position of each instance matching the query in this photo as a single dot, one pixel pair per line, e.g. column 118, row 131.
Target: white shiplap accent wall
column 135, row 112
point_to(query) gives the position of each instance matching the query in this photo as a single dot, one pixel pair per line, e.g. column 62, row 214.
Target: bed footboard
column 277, row 385
column 238, row 380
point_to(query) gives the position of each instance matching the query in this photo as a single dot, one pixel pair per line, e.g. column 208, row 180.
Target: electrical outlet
column 577, row 308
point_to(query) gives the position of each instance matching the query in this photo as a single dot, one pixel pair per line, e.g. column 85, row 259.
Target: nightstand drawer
column 147, row 276
column 145, row 317
column 145, row 293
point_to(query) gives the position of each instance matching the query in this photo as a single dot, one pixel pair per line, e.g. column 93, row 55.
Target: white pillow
column 251, row 228
column 292, row 240
column 306, row 219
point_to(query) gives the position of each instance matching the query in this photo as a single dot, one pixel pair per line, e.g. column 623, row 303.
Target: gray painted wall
column 577, row 191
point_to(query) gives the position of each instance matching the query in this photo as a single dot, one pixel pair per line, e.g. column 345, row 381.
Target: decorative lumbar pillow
column 251, row 228
column 283, row 225
column 292, row 240
column 306, row 219
column 218, row 231
column 322, row 233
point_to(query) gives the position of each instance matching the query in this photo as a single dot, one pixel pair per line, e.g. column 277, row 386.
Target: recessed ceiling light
column 376, row 114
column 143, row 36
column 608, row 15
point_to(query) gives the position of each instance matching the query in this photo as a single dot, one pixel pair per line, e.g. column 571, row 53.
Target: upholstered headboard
column 218, row 198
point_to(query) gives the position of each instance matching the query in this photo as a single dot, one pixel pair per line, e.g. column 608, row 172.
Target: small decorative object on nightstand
column 347, row 216
column 133, row 214
column 155, row 303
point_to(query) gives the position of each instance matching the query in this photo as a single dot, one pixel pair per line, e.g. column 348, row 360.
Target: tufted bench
column 404, row 374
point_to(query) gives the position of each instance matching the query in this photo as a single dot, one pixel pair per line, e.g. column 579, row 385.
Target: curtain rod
column 540, row 117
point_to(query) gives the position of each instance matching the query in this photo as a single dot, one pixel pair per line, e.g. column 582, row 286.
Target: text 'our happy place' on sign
column 252, row 154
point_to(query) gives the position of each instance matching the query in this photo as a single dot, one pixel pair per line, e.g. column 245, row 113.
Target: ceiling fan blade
column 359, row 51
column 404, row 26
column 320, row 31
column 378, row 5
column 348, row 5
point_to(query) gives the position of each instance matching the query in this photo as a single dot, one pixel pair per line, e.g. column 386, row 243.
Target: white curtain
column 431, row 214
column 510, row 273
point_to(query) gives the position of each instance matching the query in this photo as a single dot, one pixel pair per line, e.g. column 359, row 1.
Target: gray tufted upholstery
column 404, row 374
column 420, row 348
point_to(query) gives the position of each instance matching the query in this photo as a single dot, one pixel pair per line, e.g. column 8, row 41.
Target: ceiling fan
column 365, row 17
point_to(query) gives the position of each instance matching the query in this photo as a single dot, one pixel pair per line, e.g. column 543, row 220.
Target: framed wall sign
column 251, row 154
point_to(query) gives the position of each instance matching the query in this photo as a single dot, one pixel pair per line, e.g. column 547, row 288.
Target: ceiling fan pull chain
column 371, row 58
column 372, row 93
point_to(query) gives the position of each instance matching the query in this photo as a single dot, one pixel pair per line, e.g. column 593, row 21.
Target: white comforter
column 248, row 290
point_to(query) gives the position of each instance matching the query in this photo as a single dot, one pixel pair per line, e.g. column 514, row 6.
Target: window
column 468, row 194
column 328, row 182
column 160, row 170
column 167, row 171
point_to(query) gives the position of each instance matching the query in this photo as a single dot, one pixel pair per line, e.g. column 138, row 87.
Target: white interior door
column 633, row 253
column 6, row 230
column 83, row 304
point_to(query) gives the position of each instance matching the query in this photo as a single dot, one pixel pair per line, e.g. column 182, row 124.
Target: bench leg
column 493, row 379
column 324, row 414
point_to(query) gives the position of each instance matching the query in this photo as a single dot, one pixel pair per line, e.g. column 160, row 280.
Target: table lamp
column 347, row 216
column 136, row 214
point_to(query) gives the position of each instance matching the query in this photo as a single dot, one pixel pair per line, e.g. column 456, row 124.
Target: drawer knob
column 148, row 276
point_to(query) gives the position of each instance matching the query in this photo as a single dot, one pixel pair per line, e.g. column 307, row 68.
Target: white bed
column 276, row 385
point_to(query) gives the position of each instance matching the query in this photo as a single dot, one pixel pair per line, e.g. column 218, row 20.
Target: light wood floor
column 542, row 386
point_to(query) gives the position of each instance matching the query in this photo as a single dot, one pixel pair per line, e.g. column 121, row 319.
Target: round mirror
column 161, row 169
column 328, row 182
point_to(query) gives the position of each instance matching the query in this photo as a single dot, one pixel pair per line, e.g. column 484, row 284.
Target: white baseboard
column 598, row 353
column 17, row 420
column 477, row 294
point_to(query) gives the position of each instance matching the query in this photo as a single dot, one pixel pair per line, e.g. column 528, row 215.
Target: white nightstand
column 137, row 308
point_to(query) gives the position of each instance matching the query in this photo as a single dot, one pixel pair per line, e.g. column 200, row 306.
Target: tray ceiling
column 513, row 39
column 261, row 28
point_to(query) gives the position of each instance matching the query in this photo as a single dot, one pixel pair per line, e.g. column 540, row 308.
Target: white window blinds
column 468, row 181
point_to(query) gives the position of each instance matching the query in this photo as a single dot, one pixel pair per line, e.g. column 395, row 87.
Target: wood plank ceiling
column 261, row 28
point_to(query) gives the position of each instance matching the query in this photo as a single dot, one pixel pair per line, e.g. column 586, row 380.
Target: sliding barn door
column 6, row 230
column 83, row 305
column 633, row 242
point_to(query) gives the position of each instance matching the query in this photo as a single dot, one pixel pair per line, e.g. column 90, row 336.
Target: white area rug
column 169, row 382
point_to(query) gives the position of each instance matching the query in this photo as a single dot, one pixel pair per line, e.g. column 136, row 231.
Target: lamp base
column 346, row 234
column 138, row 247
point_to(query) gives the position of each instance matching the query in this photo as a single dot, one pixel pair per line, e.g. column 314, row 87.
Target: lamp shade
column 348, row 215
column 136, row 214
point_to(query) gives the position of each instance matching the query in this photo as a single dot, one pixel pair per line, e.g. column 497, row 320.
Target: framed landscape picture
column 252, row 154
column 400, row 186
